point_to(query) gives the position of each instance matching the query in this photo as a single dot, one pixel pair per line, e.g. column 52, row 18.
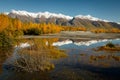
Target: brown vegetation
column 108, row 47
column 71, row 28
column 37, row 57
column 101, row 30
column 116, row 58
column 92, row 57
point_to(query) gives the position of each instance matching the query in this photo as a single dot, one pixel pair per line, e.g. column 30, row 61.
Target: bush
column 110, row 45
column 32, row 31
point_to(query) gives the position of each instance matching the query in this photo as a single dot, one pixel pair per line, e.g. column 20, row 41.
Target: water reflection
column 82, row 63
column 83, row 43
column 25, row 76
column 4, row 54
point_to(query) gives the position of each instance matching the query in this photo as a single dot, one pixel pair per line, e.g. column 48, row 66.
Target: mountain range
column 64, row 20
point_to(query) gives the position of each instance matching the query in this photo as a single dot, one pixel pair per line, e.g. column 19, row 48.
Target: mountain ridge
column 49, row 14
column 87, row 21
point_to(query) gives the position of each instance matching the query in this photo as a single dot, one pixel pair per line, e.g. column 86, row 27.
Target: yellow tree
column 4, row 22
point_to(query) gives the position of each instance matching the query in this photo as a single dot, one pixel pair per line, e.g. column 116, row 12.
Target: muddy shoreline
column 77, row 35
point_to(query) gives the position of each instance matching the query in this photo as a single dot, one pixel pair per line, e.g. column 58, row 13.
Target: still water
column 82, row 63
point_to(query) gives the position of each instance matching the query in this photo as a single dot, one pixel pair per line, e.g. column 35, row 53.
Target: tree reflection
column 25, row 76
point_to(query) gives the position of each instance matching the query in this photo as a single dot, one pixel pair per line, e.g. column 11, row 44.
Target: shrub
column 32, row 31
column 110, row 45
column 36, row 57
column 5, row 40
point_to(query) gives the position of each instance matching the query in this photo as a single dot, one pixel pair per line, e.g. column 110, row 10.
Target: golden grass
column 108, row 47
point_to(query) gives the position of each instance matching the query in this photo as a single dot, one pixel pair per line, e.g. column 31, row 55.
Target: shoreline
column 77, row 35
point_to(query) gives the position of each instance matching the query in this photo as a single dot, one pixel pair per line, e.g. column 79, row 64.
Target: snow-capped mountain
column 40, row 14
column 61, row 19
column 50, row 15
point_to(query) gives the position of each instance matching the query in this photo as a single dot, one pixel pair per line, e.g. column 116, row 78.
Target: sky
column 104, row 9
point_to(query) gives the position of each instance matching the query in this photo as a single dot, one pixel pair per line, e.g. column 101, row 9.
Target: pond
column 81, row 63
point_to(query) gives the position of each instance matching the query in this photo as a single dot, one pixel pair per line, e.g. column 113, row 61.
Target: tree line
column 15, row 27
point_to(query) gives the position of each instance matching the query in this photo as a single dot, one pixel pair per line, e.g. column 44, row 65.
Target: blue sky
column 104, row 9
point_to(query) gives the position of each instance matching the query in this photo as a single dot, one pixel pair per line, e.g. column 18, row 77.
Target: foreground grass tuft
column 37, row 57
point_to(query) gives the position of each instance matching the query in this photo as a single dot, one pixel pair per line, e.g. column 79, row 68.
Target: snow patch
column 89, row 17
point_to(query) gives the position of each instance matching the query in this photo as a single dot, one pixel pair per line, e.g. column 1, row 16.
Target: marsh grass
column 5, row 53
column 108, row 47
column 36, row 57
